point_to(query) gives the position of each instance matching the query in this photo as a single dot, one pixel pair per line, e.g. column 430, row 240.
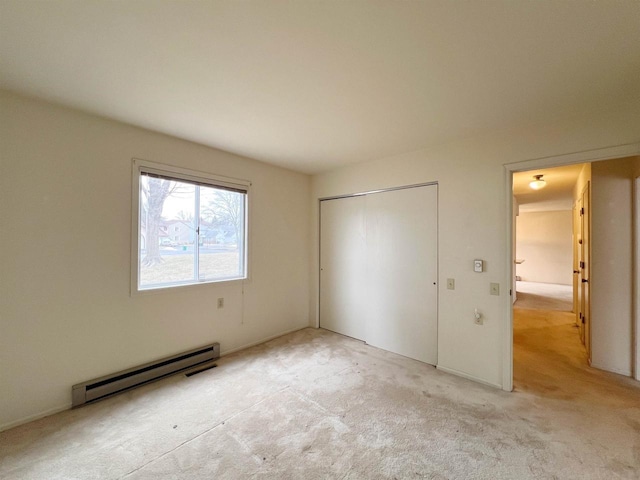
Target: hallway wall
column 611, row 265
column 544, row 241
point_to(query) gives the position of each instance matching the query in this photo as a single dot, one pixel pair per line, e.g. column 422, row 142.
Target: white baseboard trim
column 258, row 342
column 468, row 377
column 31, row 418
column 618, row 371
column 55, row 410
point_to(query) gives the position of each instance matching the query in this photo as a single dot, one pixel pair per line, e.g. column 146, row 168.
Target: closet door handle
column 584, row 280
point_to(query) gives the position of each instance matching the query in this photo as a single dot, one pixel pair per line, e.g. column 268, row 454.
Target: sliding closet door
column 402, row 272
column 343, row 266
column 378, row 262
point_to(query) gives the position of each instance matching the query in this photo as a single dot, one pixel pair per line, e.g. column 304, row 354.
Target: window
column 208, row 217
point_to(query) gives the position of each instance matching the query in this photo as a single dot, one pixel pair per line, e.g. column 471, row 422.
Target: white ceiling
column 311, row 85
column 556, row 195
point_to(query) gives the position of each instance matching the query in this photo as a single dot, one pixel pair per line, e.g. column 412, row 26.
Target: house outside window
column 207, row 216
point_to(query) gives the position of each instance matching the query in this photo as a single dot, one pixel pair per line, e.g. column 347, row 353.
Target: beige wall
column 635, row 165
column 583, row 178
column 473, row 222
column 611, row 265
column 544, row 240
column 66, row 315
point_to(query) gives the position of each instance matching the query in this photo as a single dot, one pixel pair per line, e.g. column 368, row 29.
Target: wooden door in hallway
column 577, row 270
column 576, row 261
column 584, row 269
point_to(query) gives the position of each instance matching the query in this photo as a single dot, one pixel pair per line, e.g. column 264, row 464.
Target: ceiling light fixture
column 538, row 183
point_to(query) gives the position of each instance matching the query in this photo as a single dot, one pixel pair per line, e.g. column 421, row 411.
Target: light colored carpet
column 544, row 296
column 314, row 404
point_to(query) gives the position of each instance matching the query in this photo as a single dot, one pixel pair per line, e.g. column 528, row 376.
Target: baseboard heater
column 108, row 385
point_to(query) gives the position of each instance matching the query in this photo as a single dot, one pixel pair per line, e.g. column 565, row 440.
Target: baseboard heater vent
column 106, row 386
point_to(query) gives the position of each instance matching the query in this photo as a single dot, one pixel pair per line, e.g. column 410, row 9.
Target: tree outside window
column 207, row 224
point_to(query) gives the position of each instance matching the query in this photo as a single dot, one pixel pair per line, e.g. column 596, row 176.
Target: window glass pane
column 189, row 232
column 167, row 232
column 222, row 220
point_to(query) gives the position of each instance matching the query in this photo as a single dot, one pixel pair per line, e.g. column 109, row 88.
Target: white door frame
column 607, row 153
column 636, row 278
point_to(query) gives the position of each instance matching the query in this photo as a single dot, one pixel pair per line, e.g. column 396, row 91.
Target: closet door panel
column 402, row 272
column 343, row 266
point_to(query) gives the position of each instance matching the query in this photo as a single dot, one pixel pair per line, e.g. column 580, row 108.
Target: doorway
column 551, row 238
column 378, row 269
column 608, row 153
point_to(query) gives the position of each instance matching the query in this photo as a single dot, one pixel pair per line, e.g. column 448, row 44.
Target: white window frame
column 138, row 167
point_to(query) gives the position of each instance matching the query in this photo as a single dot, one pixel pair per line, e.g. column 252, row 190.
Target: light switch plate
column 494, row 289
column 451, row 284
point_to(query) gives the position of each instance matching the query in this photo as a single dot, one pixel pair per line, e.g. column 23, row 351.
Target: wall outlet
column 494, row 289
column 451, row 284
column 221, row 302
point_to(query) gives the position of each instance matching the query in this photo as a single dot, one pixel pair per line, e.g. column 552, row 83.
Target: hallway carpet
column 316, row 405
column 544, row 296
